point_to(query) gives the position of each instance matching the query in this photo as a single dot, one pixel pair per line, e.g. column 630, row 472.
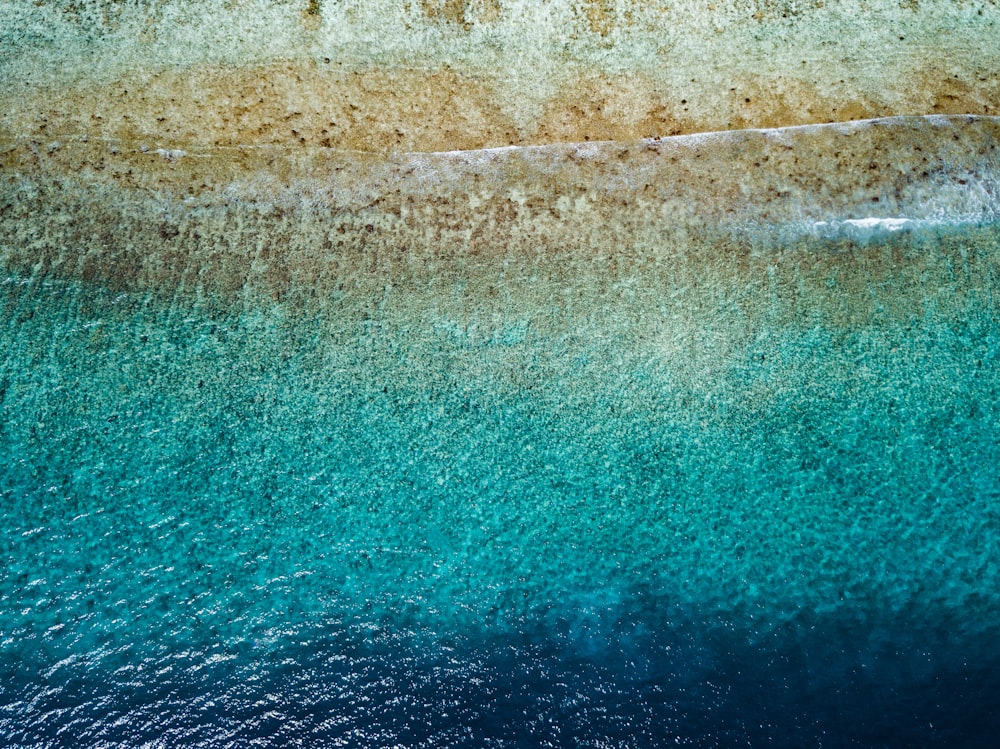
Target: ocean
column 583, row 445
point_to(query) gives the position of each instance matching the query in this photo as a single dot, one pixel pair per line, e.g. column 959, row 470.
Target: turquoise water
column 235, row 523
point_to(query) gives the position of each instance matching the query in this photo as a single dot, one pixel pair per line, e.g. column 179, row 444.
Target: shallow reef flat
column 261, row 220
column 673, row 252
column 433, row 75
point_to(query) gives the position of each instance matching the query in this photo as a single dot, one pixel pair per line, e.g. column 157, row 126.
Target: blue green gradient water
column 224, row 524
column 344, row 458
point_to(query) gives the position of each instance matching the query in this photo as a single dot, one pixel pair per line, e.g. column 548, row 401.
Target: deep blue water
column 231, row 526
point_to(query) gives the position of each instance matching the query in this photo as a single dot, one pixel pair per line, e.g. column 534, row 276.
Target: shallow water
column 639, row 513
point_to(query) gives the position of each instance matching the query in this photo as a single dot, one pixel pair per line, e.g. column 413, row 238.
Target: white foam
column 872, row 226
column 781, row 134
column 889, row 224
column 171, row 154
